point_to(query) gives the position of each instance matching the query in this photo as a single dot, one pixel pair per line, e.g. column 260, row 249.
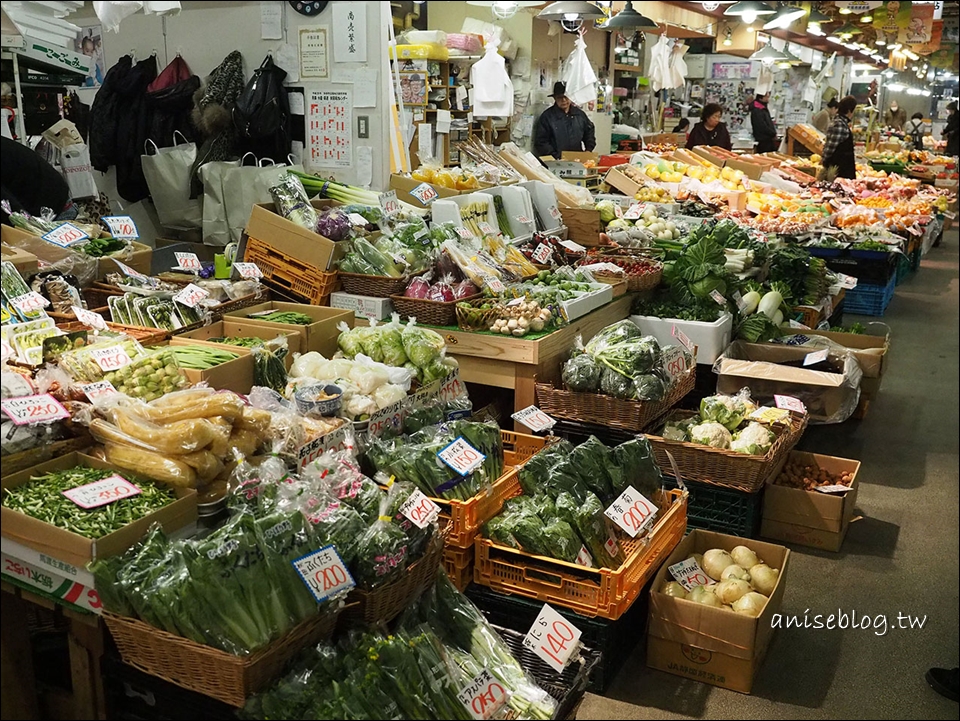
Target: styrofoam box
column 544, row 199
column 710, row 338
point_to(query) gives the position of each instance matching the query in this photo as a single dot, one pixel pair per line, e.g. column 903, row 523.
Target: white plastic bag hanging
column 578, row 75
column 112, row 13
column 678, row 66
column 660, row 64
column 492, row 87
column 764, row 80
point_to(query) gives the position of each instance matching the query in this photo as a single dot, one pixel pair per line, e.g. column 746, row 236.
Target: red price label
column 188, row 261
column 554, row 212
column 31, row 302
column 420, row 510
column 634, row 211
column 484, row 696
column 389, row 203
column 100, row 493
column 111, row 358
column 552, row 638
column 632, row 511
column 29, row 410
column 191, row 296
column 486, row 228
column 98, row 391
column 717, row 298
column 534, row 419
column 249, row 271
column 463, row 233
column 524, row 220
column 542, row 253
column 121, row 226
column 584, row 558
column 131, row 273
column 451, row 387
column 324, row 573
column 65, row 235
column 682, row 337
column 462, row 457
column 496, row 285
column 789, row 403
column 674, row 362
column 389, row 417
column 689, row 574
column 88, row 317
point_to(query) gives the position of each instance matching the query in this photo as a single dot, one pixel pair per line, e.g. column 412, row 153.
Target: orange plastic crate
column 603, row 592
column 289, row 274
column 458, row 563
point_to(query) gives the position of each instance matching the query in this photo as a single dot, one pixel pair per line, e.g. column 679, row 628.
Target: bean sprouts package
column 293, row 204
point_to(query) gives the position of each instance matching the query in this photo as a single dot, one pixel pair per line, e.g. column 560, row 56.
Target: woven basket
column 144, row 336
column 375, row 286
column 383, row 604
column 16, row 462
column 605, row 410
column 722, row 467
column 429, row 312
column 635, row 283
column 208, row 670
column 473, row 321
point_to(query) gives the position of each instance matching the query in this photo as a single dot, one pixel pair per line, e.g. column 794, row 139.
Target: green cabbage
column 608, row 211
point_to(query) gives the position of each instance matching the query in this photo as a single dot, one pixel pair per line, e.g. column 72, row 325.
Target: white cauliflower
column 711, row 434
column 754, row 440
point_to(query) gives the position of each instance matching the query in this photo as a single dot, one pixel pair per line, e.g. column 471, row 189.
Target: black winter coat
column 104, row 115
column 169, row 110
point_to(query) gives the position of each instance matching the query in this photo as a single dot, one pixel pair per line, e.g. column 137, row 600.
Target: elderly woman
column 710, row 131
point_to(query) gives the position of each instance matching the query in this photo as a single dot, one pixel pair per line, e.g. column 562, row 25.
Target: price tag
column 98, row 391
column 249, row 271
column 584, row 558
column 496, row 285
column 523, row 219
column 188, row 261
column 486, row 228
column 611, row 545
column 834, row 488
column 121, row 226
column 389, row 203
column 389, row 417
column 462, row 457
column 914, row 230
column 846, row 281
column 770, row 415
column 553, row 638
column 689, row 574
column 334, row 441
column 674, row 362
column 357, row 219
column 484, row 696
column 542, row 253
column 463, row 233
column 100, row 493
column 451, row 387
column 738, row 299
column 683, row 339
column 789, row 403
column 420, row 510
column 191, row 296
column 632, row 511
column 324, row 573
column 719, row 299
column 534, row 419
column 618, row 210
column 111, row 358
column 88, row 317
column 634, row 211
column 573, row 247
column 30, row 302
column 28, row 410
column 950, row 215
column 816, row 357
column 65, row 235
column 131, row 273
column 7, row 350
column 554, row 212
column 425, row 193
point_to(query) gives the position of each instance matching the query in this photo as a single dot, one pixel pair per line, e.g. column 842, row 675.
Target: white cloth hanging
column 764, row 80
column 492, row 87
column 678, row 66
column 660, row 64
column 578, row 75
column 112, row 12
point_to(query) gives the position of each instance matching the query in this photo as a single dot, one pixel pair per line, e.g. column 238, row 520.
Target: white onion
column 731, row 591
column 750, row 604
column 714, row 561
column 674, row 589
column 701, row 595
column 744, row 557
column 735, row 571
column 698, row 557
column 764, row 578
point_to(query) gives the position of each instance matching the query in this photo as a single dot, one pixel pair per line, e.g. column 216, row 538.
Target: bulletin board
column 732, row 95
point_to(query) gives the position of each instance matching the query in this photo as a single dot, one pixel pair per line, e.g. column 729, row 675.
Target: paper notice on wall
column 330, row 128
column 313, row 52
column 462, row 97
column 425, row 142
column 364, row 165
column 271, row 20
column 350, row 43
column 296, row 103
column 365, row 88
column 288, row 58
column 443, row 121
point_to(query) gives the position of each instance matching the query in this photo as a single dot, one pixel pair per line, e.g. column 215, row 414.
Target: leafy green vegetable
column 582, row 374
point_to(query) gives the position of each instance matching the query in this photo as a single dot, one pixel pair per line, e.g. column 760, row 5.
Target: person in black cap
column 563, row 127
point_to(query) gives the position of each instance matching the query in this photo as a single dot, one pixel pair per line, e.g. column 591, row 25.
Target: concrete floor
column 901, row 557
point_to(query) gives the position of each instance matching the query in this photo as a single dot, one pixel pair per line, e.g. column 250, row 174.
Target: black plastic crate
column 132, row 694
column 611, row 641
column 577, row 432
column 867, row 266
column 724, row 510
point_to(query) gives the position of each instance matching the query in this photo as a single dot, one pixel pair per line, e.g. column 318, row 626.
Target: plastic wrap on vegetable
column 383, row 554
column 634, row 464
column 341, row 476
column 729, row 411
column 292, row 202
column 366, row 259
column 582, row 373
column 336, row 524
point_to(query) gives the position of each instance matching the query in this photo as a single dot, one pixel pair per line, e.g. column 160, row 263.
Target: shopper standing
column 916, row 130
column 821, row 121
column 838, row 147
column 563, row 126
column 895, row 117
column 29, row 183
column 710, row 131
column 764, row 129
column 951, row 133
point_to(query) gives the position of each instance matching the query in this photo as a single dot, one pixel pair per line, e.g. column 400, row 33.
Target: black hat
column 559, row 90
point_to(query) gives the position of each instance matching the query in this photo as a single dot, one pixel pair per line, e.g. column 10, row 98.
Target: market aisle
column 902, row 557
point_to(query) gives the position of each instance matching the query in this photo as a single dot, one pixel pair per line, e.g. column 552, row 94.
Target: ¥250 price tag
column 553, row 638
column 98, row 391
column 191, row 296
column 484, row 696
column 324, row 573
column 188, row 261
column 689, row 574
column 65, row 235
column 100, row 493
column 674, row 362
column 111, row 358
column 789, row 403
column 248, row 271
column 461, row 457
column 389, row 203
column 89, row 318
column 420, row 510
column 121, row 226
column 30, row 302
column 534, row 419
column 542, row 253
column 28, row 410
column 632, row 511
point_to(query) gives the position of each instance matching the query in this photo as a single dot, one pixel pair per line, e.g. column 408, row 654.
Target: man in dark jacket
column 563, row 127
column 838, row 147
column 29, row 183
column 764, row 130
column 951, row 133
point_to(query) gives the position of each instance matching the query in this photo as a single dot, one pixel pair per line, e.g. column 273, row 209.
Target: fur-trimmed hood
column 215, row 98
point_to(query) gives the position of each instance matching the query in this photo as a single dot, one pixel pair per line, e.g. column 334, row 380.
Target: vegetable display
column 808, row 477
column 199, row 357
column 284, row 316
column 723, row 423
column 421, row 350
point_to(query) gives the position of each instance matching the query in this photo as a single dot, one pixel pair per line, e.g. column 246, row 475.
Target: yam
column 151, row 465
column 206, row 464
column 177, row 438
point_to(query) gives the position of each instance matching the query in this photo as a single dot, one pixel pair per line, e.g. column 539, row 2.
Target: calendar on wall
column 330, row 128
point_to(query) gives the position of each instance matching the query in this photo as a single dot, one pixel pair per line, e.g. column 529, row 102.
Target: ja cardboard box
column 79, row 550
column 714, row 645
column 25, row 263
column 320, row 336
column 235, row 375
column 295, row 240
column 363, row 306
column 810, row 518
column 233, row 328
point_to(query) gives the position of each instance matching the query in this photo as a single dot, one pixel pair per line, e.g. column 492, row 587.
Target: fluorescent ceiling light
column 895, row 87
column 914, row 91
column 834, row 39
column 768, row 55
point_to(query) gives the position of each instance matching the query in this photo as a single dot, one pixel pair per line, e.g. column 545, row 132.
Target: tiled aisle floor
column 902, row 557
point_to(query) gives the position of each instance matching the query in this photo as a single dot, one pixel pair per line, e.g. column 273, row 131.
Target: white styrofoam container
column 589, row 302
column 362, row 306
column 447, row 210
column 710, row 338
column 544, row 199
column 516, row 203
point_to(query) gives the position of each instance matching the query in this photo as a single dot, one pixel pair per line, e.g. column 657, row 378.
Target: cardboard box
column 403, row 185
column 141, row 261
column 363, row 306
column 583, row 225
column 810, row 518
column 320, row 336
column 26, row 263
column 233, row 328
column 713, row 645
column 79, row 550
column 871, row 352
column 235, row 375
column 295, row 240
column 65, row 591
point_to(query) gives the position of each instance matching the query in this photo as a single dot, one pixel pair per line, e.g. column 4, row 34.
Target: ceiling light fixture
column 504, row 10
column 784, row 17
column 728, row 37
column 881, row 41
column 867, row 18
column 571, row 10
column 749, row 10
column 849, row 30
column 628, row 18
column 895, row 87
column 845, row 10
column 768, row 55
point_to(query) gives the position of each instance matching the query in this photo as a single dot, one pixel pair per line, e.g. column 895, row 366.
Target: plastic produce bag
column 578, row 74
column 383, row 553
column 292, row 202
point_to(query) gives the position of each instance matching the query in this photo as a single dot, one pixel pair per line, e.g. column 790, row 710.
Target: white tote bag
column 167, row 171
column 77, row 171
column 246, row 185
column 216, row 229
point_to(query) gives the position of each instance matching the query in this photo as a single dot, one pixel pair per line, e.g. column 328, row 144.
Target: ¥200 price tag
column 89, row 318
column 461, row 457
column 188, row 261
column 324, row 573
column 28, row 410
column 816, row 357
column 420, row 510
column 30, row 302
column 65, row 235
column 689, row 574
column 98, row 391
column 100, row 493
column 553, row 638
column 111, row 358
column 542, row 253
column 682, row 338
column 534, row 419
column 484, row 696
column 632, row 511
column 248, row 271
column 191, row 296
column 789, row 403
column 389, row 203
column 121, row 226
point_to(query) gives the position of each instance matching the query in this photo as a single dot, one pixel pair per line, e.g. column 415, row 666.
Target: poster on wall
column 89, row 41
column 313, row 53
column 330, row 128
column 933, row 44
column 890, row 18
column 413, row 88
column 730, row 71
column 350, row 44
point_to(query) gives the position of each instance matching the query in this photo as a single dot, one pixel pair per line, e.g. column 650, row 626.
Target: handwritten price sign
column 420, row 510
column 689, row 574
column 110, row 359
column 553, row 638
column 65, row 235
column 554, row 212
column 131, row 273
column 100, row 493
column 389, row 203
column 389, row 417
column 461, row 457
column 121, row 226
column 248, row 271
column 89, row 318
column 463, row 232
column 425, row 193
column 674, row 362
column 789, row 403
column 98, row 391
column 496, row 285
column 534, row 419
column 451, row 387
column 632, row 511
column 31, row 302
column 634, row 211
column 335, row 441
column 324, row 573
column 188, row 261
column 484, row 696
column 191, row 296
column 524, row 220
column 573, row 247
column 486, row 228
column 29, row 410
column 717, row 298
column 542, row 253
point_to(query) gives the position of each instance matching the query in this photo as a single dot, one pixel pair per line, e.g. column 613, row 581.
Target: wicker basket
column 375, row 286
column 208, row 670
column 16, row 462
column 606, row 410
column 635, row 283
column 144, row 336
column 474, row 322
column 723, row 467
column 429, row 312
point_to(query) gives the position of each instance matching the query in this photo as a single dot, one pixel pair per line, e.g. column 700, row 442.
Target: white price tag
column 98, row 391
column 486, row 228
column 816, row 357
column 542, row 254
column 613, row 548
column 674, row 362
column 484, row 696
column 553, row 638
column 789, row 403
column 188, row 261
column 248, row 271
column 389, row 203
column 496, row 285
column 534, row 419
column 425, row 193
column 100, row 493
column 618, row 210
column 524, row 220
column 389, row 417
column 110, row 358
column 463, row 232
column 121, row 226
column 88, row 317
column 131, row 273
column 554, row 212
column 632, row 511
column 689, row 574
column 634, row 211
column 461, row 457
column 28, row 410
column 719, row 299
column 324, row 573
column 847, row 281
column 30, row 302
column 738, row 299
column 65, row 235
column 7, row 350
column 682, row 337
column 573, row 247
column 451, row 387
column 357, row 219
column 191, row 296
column 584, row 558
column 420, row 510
column 334, row 441
column 834, row 488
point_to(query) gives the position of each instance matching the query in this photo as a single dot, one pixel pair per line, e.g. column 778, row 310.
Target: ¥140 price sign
column 553, row 638
column 462, row 457
column 324, row 573
column 632, row 511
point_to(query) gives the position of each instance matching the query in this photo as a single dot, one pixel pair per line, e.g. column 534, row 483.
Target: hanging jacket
column 104, row 116
column 212, row 116
column 169, row 110
column 764, row 130
column 132, row 122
